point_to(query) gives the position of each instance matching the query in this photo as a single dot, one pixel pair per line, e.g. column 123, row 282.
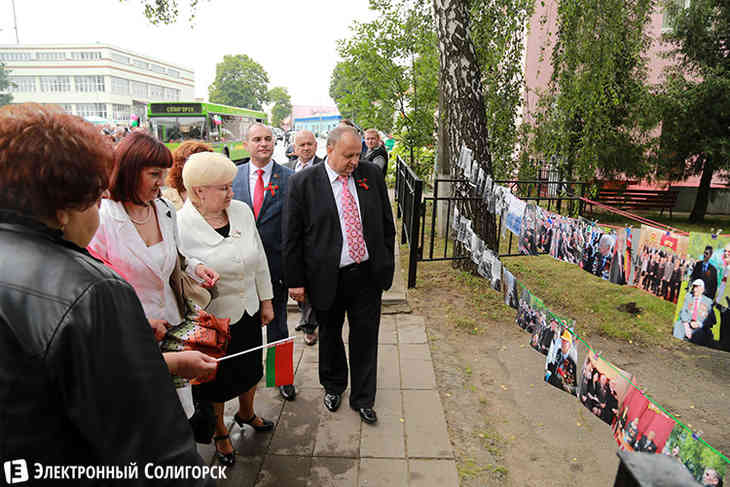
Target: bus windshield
column 177, row 129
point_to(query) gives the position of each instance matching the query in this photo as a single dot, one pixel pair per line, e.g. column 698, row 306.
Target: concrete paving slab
column 417, row 374
column 310, row 354
column 297, row 428
column 387, row 438
column 411, row 329
column 333, row 472
column 432, row 473
column 338, row 434
column 404, row 320
column 426, row 434
column 380, row 472
column 307, row 375
column 415, row 351
column 388, row 334
column 389, row 376
column 243, row 474
column 289, row 471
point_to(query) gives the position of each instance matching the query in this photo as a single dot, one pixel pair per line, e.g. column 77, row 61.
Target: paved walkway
column 311, row 446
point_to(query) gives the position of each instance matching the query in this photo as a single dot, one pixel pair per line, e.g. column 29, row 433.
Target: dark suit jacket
column 270, row 216
column 709, row 277
column 293, row 164
column 313, row 237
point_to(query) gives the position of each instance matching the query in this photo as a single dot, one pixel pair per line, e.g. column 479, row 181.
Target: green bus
column 221, row 126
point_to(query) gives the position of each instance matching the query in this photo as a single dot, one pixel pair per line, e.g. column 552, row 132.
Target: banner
column 660, row 262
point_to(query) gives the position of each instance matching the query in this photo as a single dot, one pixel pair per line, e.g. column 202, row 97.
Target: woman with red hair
column 81, row 378
column 175, row 190
column 138, row 235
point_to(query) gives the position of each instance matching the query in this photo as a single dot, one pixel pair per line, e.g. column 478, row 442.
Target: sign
column 176, row 108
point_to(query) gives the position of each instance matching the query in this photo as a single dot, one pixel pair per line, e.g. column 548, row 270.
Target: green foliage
column 595, row 116
column 497, row 29
column 388, row 78
column 694, row 454
column 694, row 101
column 423, row 158
column 5, row 98
column 165, row 11
column 240, row 82
column 282, row 104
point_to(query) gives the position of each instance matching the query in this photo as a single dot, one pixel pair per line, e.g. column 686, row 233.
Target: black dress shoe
column 265, row 425
column 288, row 392
column 368, row 415
column 332, row 401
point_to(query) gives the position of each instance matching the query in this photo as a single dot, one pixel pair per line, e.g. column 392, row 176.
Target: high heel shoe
column 225, row 459
column 266, row 425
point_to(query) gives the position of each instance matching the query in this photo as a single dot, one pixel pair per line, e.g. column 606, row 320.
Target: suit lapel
column 245, row 185
column 324, row 186
column 132, row 240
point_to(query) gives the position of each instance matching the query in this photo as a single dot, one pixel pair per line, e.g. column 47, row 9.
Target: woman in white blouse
column 222, row 232
column 138, row 236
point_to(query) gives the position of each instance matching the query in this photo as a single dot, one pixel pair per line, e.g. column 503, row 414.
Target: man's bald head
column 305, row 145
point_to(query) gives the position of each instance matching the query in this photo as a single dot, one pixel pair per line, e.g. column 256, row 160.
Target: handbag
column 189, row 294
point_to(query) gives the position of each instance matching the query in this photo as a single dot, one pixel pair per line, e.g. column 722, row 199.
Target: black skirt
column 237, row 375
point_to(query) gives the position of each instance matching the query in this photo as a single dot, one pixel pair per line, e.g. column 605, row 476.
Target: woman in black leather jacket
column 82, row 382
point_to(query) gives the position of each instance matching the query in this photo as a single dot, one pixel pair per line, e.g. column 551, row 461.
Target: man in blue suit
column 261, row 183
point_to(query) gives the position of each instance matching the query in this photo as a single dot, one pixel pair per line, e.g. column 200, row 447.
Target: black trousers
column 360, row 299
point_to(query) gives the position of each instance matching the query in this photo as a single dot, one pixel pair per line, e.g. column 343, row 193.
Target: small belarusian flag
column 280, row 364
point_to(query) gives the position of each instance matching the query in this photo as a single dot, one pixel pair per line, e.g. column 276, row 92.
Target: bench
column 639, row 199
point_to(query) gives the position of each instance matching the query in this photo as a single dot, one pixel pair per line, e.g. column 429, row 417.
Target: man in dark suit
column 261, row 183
column 707, row 272
column 305, row 147
column 339, row 240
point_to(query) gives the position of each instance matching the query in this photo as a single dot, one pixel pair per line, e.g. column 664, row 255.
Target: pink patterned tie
column 353, row 227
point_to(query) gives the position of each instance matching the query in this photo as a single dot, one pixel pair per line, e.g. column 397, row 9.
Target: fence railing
column 420, row 213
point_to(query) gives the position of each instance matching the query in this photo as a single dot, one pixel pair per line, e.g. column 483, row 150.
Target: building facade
column 319, row 125
column 94, row 80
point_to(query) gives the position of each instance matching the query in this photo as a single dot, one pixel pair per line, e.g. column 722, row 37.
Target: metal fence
column 419, row 213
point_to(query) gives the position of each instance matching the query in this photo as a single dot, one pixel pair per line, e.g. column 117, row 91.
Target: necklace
column 143, row 220
column 217, row 221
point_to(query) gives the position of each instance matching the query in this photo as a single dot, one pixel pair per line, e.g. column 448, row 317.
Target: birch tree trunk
column 461, row 82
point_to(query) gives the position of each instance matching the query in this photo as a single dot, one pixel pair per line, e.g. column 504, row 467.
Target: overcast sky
column 294, row 40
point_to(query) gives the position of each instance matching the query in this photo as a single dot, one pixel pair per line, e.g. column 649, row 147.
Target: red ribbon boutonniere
column 362, row 183
column 272, row 189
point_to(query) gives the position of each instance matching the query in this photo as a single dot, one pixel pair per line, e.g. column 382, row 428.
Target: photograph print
column 531, row 313
column 548, row 331
column 511, row 294
column 598, row 252
column 567, row 239
column 515, row 211
column 706, row 466
column 641, row 425
column 561, row 368
column 527, row 243
column 602, row 387
column 660, row 262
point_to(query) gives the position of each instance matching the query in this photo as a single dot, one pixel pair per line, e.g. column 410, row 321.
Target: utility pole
column 15, row 23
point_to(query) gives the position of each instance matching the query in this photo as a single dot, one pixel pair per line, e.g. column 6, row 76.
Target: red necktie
column 258, row 193
column 353, row 227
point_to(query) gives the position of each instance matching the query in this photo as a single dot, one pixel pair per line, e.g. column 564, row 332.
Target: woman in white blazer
column 138, row 236
column 222, row 232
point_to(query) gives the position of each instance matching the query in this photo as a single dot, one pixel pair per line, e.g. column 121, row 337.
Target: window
column 91, row 110
column 85, row 55
column 139, row 89
column 120, row 86
column 157, row 92
column 55, row 84
column 23, row 84
column 67, row 107
column 121, row 113
column 140, row 64
column 89, row 84
column 171, row 94
column 174, row 73
column 177, row 129
column 119, row 58
column 50, row 56
column 157, row 69
column 15, row 56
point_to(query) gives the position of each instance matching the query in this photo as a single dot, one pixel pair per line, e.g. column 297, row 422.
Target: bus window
column 177, row 129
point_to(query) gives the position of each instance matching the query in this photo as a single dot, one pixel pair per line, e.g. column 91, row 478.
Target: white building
column 94, row 79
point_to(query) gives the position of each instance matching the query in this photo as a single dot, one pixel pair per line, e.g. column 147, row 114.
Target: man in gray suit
column 305, row 147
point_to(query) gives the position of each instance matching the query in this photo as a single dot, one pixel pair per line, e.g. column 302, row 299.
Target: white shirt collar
column 330, row 172
column 268, row 168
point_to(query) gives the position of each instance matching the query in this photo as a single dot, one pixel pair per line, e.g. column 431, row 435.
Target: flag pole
column 266, row 345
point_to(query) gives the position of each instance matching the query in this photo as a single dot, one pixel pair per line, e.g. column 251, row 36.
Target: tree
column 694, row 101
column 5, row 98
column 240, row 82
column 498, row 31
column 282, row 104
column 594, row 117
column 166, row 11
column 390, row 68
